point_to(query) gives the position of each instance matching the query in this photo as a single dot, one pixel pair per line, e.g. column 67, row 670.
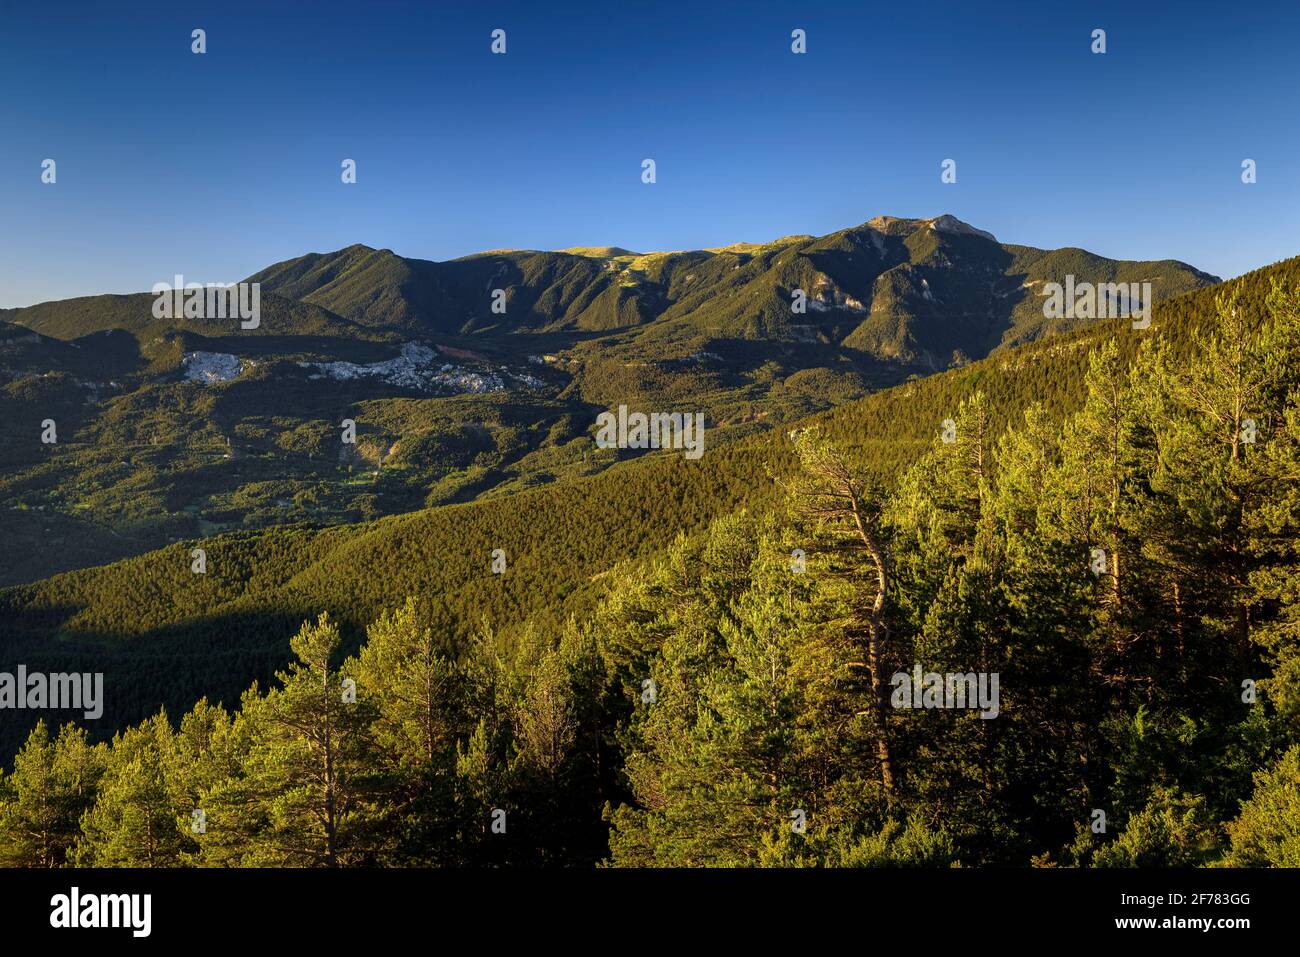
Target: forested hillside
column 684, row 659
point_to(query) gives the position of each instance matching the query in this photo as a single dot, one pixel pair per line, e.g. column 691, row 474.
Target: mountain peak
column 949, row 223
column 598, row 252
column 945, row 223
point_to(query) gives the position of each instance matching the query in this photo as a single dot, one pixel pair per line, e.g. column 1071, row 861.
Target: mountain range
column 914, row 291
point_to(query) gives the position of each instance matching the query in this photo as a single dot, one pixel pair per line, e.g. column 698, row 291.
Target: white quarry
column 210, row 367
column 420, row 368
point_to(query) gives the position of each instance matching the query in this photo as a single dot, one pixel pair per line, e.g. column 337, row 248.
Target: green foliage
column 1267, row 832
column 53, row 782
column 653, row 681
column 1172, row 830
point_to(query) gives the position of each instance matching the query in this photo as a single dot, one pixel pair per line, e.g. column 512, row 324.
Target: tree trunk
column 876, row 649
column 329, row 772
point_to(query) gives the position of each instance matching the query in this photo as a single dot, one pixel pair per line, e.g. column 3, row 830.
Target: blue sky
column 215, row 166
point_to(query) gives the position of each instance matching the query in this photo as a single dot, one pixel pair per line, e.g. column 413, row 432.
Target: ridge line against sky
column 218, row 165
column 530, row 249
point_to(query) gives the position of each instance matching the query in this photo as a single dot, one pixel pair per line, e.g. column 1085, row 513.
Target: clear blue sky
column 215, row 166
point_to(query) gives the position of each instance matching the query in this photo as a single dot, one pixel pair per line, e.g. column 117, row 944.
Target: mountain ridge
column 920, row 292
column 895, row 288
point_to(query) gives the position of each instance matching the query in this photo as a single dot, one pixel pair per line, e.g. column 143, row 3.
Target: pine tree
column 139, row 819
column 42, row 800
column 1267, row 832
column 303, row 794
column 417, row 689
column 1273, row 529
column 715, row 791
column 843, row 516
column 1093, row 487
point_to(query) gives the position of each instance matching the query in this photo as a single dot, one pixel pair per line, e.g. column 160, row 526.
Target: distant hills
column 914, row 291
column 920, row 294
